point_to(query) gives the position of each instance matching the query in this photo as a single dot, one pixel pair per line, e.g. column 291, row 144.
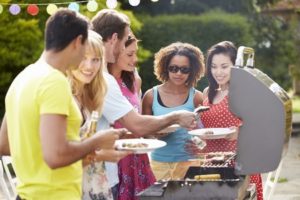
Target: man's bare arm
column 58, row 151
column 147, row 124
column 4, row 143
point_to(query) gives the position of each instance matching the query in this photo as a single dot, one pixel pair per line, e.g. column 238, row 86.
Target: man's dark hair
column 107, row 22
column 63, row 27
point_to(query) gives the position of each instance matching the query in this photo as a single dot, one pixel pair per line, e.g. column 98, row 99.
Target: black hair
column 225, row 47
column 63, row 27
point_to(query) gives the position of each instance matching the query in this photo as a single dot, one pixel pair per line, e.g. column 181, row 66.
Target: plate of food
column 212, row 133
column 170, row 129
column 139, row 145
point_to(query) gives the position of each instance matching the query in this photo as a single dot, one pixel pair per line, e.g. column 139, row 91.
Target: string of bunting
column 34, row 8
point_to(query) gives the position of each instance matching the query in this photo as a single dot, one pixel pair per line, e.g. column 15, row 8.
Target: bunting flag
column 34, row 8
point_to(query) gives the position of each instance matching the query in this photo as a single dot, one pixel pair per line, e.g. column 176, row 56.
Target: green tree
column 21, row 39
column 275, row 48
column 20, row 44
column 188, row 6
column 201, row 30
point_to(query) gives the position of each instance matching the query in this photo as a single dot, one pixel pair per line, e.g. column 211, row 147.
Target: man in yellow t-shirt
column 40, row 129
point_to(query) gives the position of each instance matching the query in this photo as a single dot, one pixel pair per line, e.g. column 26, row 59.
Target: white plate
column 152, row 144
column 170, row 129
column 218, row 133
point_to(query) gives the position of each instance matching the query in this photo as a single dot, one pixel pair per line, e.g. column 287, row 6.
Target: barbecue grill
column 265, row 109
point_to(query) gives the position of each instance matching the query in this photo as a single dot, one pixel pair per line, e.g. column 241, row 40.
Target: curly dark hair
column 193, row 53
column 226, row 48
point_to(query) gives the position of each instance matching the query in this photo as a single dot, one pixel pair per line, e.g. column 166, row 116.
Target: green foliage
column 295, row 71
column 295, row 68
column 189, row 6
column 266, row 2
column 135, row 24
column 21, row 39
column 20, row 45
column 296, row 104
column 199, row 30
column 280, row 179
column 275, row 48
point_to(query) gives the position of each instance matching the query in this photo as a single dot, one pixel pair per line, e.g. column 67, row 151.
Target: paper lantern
column 32, row 9
column 51, row 8
column 111, row 4
column 1, row 8
column 154, row 0
column 74, row 6
column 14, row 9
column 134, row 2
column 92, row 6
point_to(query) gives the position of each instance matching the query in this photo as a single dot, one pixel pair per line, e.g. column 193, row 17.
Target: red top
column 219, row 116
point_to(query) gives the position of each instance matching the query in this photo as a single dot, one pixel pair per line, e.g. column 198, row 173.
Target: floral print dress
column 94, row 181
column 135, row 173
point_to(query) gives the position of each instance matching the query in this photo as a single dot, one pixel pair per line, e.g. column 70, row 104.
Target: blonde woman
column 87, row 81
column 89, row 89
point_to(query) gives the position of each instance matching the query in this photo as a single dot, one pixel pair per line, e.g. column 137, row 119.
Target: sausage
column 207, row 176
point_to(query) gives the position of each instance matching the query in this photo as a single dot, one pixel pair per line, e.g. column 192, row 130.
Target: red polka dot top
column 219, row 116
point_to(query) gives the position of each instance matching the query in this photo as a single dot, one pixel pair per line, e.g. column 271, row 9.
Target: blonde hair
column 92, row 95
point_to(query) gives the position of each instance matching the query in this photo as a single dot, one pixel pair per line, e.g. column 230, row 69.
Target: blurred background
column 271, row 27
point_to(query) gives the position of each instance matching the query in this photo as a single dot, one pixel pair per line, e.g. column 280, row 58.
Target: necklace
column 224, row 89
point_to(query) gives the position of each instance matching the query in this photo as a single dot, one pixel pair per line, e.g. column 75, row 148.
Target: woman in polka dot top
column 220, row 59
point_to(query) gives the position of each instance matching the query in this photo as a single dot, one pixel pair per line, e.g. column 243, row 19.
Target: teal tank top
column 174, row 150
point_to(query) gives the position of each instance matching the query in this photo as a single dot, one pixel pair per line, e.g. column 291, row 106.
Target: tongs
column 199, row 110
column 230, row 158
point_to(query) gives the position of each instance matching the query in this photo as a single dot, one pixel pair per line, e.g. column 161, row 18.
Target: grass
column 296, row 104
column 280, row 180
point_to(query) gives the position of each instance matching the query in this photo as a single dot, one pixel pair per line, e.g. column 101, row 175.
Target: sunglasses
column 175, row 69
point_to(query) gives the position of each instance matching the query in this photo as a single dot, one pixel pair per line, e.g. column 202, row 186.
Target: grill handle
column 242, row 50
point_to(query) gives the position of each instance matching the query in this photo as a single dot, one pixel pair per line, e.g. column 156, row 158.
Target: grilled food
column 135, row 145
column 207, row 177
column 209, row 133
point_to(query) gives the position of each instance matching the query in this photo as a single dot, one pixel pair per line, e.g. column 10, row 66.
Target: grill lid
column 265, row 109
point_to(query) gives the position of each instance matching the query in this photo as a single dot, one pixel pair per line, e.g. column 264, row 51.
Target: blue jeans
column 115, row 191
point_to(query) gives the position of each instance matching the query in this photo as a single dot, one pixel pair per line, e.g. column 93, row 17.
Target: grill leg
column 270, row 185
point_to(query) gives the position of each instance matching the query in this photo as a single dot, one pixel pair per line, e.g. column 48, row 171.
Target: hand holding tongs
column 199, row 110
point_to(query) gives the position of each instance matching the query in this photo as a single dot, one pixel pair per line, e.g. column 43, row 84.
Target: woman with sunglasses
column 178, row 66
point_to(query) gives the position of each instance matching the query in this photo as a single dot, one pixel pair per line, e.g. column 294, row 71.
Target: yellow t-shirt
column 37, row 90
